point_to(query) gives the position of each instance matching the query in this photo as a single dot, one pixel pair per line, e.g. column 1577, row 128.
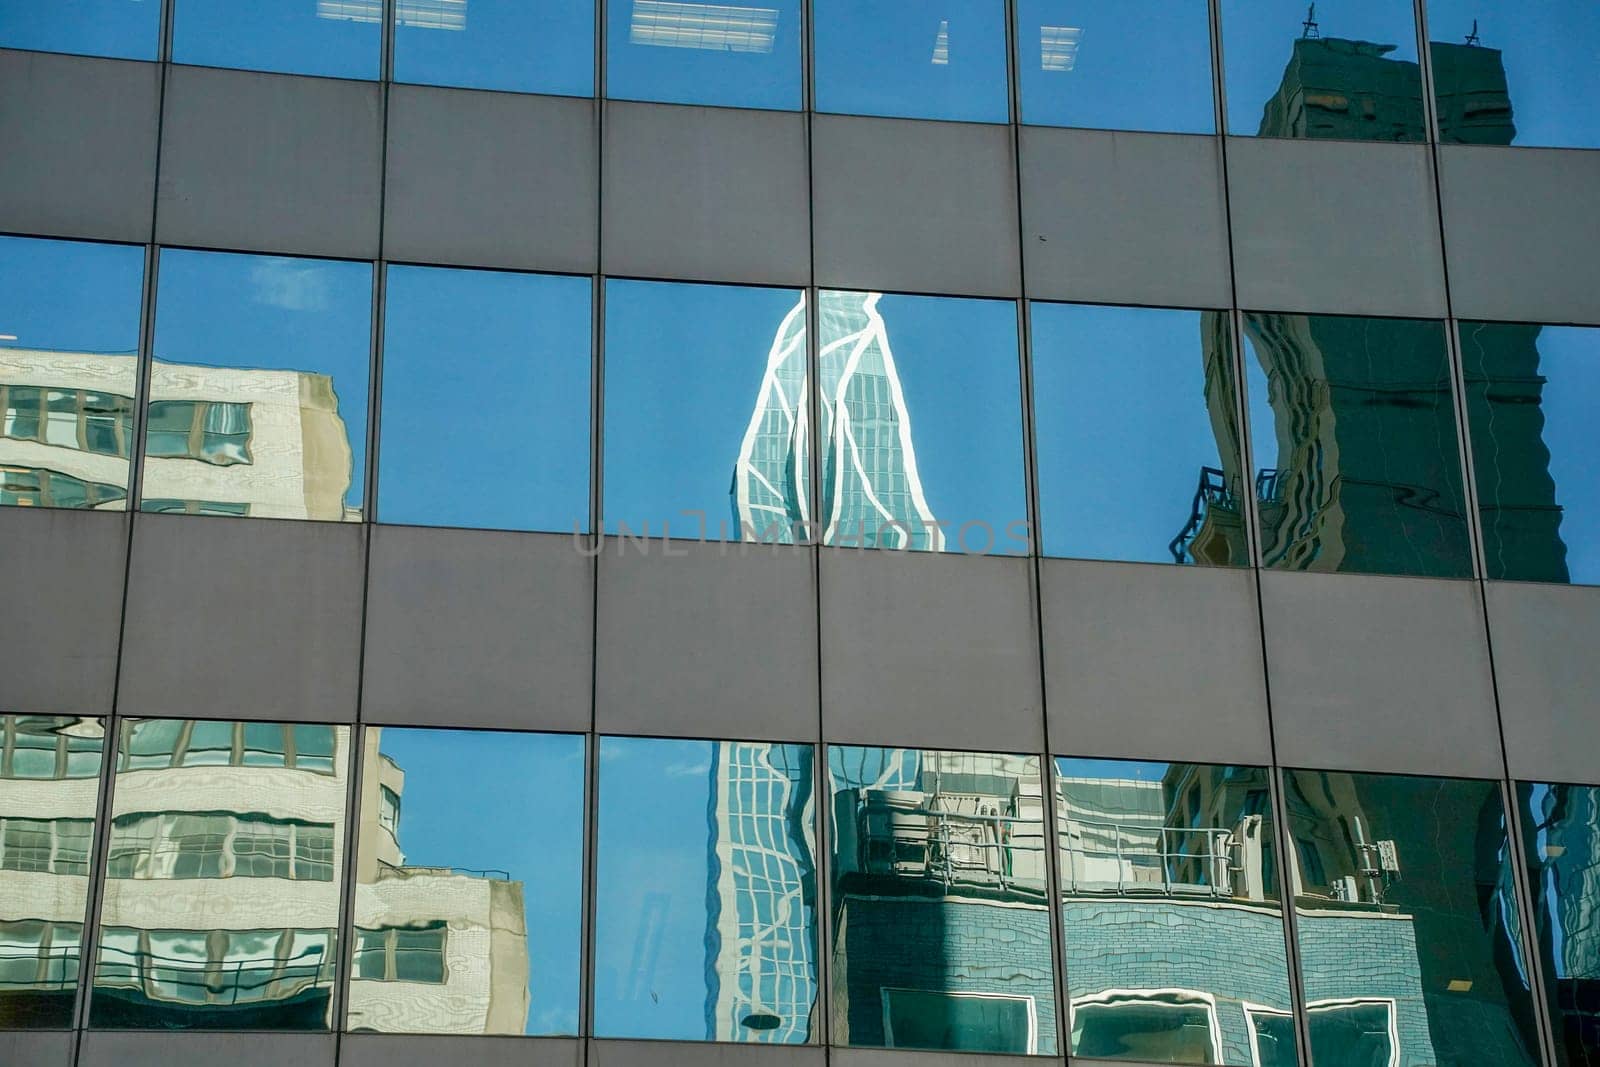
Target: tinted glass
column 122, row 29
column 1352, row 422
column 944, row 59
column 221, row 900
column 469, row 886
column 1144, row 65
column 948, row 368
column 1137, row 435
column 485, row 400
column 734, row 55
column 706, row 891
column 1346, row 71
column 333, row 38
column 1516, row 73
column 938, row 860
column 69, row 339
column 1531, row 394
column 1560, row 834
column 258, row 393
column 705, row 411
column 496, row 44
column 1416, row 872
column 1170, row 911
column 49, row 788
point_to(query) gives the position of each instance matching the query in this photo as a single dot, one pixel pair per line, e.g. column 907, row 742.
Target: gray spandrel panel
column 1132, row 218
column 940, row 648
column 488, row 179
column 270, row 163
column 706, row 194
column 1335, row 227
column 80, row 137
column 38, row 1049
column 707, row 640
column 1379, row 674
column 1546, row 675
column 62, row 650
column 603, row 1053
column 414, row 1050
column 477, row 628
column 156, row 1049
column 1153, row 662
column 916, row 206
column 1522, row 229
column 243, row 618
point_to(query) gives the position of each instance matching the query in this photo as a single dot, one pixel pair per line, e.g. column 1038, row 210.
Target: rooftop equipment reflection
column 709, row 27
column 419, row 14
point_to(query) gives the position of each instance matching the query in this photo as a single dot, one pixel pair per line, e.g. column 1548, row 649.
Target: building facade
column 629, row 533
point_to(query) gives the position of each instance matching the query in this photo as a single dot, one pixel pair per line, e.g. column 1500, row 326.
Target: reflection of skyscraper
column 761, row 965
column 1367, row 476
column 871, row 488
column 268, row 443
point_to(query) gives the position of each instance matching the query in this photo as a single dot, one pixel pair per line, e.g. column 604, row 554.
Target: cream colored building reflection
column 49, row 780
column 267, row 443
column 438, row 949
column 221, row 899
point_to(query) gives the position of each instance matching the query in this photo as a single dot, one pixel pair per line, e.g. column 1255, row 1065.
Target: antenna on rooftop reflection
column 1311, row 33
column 1472, row 38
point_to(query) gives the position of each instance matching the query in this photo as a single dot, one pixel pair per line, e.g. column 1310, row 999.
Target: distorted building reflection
column 267, row 443
column 1560, row 827
column 1171, row 920
column 437, row 949
column 871, row 491
column 66, row 428
column 221, row 902
column 938, row 873
column 1410, row 946
column 706, row 912
column 49, row 786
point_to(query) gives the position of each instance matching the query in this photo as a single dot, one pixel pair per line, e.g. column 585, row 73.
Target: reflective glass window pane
column 332, row 38
column 212, row 918
column 48, row 807
column 69, row 340
column 1345, row 71
column 1137, row 435
column 949, row 368
column 512, row 45
column 1171, row 915
column 121, row 29
column 1531, row 396
column 468, row 911
column 937, row 859
column 1352, row 422
column 485, row 400
column 915, row 59
column 260, row 384
column 1144, row 65
column 1417, row 873
column 1560, row 827
column 705, row 411
column 705, row 916
column 1506, row 72
column 744, row 54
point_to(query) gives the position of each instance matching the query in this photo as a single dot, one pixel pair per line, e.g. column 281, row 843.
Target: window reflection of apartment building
column 49, row 780
column 221, row 899
column 939, row 870
column 268, row 443
column 1169, row 906
column 438, row 949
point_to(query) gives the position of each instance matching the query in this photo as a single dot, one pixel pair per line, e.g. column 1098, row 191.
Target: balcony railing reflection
column 186, row 980
column 1170, row 861
column 931, row 838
